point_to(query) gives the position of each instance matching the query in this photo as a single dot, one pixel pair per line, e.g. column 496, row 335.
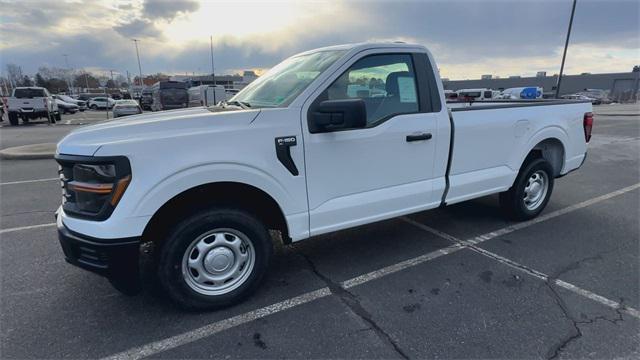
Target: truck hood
column 87, row 140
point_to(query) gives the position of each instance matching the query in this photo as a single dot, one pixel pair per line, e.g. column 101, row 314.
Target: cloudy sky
column 468, row 38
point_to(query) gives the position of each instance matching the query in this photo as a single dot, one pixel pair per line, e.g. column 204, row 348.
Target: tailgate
column 26, row 104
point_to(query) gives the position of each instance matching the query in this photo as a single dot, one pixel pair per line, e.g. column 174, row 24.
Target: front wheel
column 214, row 258
column 94, row 107
column 13, row 119
column 531, row 191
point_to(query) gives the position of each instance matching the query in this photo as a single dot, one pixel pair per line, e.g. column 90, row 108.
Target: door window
column 386, row 83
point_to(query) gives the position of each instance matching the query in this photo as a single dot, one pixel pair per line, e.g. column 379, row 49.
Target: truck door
column 386, row 169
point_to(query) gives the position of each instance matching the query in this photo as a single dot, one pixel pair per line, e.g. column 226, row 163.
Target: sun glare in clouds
column 239, row 19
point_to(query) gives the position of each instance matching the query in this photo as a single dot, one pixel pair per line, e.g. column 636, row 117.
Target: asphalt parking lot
column 458, row 282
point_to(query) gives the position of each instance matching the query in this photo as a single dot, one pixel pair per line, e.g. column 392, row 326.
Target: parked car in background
column 169, row 95
column 2, row 111
column 527, row 92
column 231, row 92
column 126, row 107
column 86, row 96
column 65, row 107
column 206, row 95
column 599, row 96
column 32, row 102
column 477, row 94
column 146, row 99
column 101, row 102
column 450, row 95
column 579, row 96
column 82, row 105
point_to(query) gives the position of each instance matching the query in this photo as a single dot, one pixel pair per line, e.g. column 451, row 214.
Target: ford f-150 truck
column 327, row 140
column 32, row 103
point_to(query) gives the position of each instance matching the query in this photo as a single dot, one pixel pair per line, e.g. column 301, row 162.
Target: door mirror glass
column 332, row 115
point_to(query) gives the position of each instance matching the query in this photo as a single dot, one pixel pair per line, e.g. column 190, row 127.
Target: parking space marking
column 4, row 231
column 28, row 181
column 535, row 273
column 376, row 274
column 509, row 229
column 216, row 327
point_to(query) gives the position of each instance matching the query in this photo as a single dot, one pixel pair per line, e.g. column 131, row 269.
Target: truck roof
column 357, row 47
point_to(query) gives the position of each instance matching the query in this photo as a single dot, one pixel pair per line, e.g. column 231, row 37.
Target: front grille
column 65, row 171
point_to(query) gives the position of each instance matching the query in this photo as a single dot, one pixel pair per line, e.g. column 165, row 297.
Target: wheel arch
column 551, row 149
column 224, row 193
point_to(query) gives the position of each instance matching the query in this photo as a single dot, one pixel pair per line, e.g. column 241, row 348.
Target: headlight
column 93, row 186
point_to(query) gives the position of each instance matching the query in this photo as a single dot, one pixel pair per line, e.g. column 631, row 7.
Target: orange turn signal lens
column 121, row 186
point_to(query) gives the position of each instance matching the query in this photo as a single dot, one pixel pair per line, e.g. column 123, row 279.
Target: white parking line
column 28, row 181
column 4, row 231
column 535, row 273
column 216, row 327
column 551, row 215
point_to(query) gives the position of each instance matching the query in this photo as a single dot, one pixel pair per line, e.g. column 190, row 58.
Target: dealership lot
column 564, row 286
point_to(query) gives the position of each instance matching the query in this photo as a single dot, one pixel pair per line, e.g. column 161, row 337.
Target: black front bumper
column 116, row 259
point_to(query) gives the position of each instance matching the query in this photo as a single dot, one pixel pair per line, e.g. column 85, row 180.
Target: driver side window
column 386, row 83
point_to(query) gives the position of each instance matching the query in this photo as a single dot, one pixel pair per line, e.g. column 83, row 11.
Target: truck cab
column 327, row 140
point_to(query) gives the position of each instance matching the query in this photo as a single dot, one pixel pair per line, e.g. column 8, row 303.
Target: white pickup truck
column 327, row 140
column 32, row 103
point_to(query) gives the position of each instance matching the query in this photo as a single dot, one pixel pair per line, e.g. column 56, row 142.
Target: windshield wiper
column 242, row 104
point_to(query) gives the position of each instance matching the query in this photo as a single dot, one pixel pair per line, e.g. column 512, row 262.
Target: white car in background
column 126, row 107
column 101, row 102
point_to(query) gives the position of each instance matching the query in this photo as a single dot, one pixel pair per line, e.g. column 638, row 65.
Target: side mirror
column 331, row 115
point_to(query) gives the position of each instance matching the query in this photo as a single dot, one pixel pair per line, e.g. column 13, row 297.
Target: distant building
column 541, row 74
column 621, row 86
column 486, row 77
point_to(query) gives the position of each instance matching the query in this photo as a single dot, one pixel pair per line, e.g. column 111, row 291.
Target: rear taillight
column 587, row 123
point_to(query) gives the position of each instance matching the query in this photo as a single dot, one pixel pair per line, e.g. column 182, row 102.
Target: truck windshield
column 284, row 82
column 28, row 93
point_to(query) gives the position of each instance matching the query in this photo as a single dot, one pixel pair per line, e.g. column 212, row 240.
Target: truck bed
column 490, row 138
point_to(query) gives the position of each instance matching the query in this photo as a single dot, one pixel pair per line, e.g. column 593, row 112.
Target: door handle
column 419, row 137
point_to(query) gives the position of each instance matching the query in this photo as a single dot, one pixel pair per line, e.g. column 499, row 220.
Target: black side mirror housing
column 332, row 115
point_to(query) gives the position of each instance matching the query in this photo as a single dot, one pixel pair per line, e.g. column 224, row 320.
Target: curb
column 29, row 152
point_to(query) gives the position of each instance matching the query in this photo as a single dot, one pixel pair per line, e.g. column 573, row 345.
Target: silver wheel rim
column 218, row 261
column 535, row 190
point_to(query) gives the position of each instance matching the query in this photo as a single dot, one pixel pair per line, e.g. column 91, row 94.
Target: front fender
column 189, row 178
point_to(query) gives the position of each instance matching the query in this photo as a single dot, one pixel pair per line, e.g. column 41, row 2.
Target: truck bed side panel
column 491, row 144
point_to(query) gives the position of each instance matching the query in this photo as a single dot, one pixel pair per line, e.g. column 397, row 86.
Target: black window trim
column 424, row 81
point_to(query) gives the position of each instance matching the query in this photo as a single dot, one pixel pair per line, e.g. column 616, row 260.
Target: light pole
column 66, row 61
column 564, row 54
column 213, row 72
column 135, row 41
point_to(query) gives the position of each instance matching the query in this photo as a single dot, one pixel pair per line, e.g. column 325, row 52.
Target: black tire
column 94, row 107
column 181, row 237
column 513, row 201
column 13, row 119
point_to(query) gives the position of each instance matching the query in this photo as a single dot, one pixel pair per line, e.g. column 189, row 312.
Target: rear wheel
column 530, row 192
column 214, row 258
